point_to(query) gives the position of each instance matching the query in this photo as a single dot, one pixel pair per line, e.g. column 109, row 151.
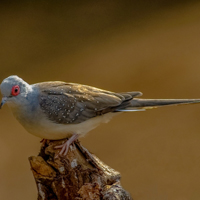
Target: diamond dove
column 56, row 110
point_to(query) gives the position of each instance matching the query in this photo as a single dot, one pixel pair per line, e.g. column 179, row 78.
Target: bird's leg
column 43, row 141
column 65, row 147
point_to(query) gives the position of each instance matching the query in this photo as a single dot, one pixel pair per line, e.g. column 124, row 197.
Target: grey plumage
column 57, row 110
column 69, row 103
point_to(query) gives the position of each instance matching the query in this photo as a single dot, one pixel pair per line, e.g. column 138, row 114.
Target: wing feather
column 70, row 103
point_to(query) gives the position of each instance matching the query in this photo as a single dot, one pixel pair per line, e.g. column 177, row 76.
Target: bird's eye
column 15, row 90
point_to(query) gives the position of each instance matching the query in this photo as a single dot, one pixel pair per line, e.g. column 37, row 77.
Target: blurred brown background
column 150, row 46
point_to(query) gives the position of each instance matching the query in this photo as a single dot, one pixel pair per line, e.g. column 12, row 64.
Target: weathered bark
column 80, row 175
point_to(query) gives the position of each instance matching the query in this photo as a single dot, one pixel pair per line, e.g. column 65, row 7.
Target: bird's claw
column 65, row 146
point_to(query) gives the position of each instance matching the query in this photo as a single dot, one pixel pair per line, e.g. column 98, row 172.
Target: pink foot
column 65, row 147
column 43, row 141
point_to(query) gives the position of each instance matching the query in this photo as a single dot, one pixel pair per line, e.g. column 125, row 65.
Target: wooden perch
column 80, row 175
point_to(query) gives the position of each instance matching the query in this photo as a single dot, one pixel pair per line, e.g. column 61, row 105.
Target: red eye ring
column 15, row 90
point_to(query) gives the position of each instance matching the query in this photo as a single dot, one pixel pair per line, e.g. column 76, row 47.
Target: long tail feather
column 143, row 104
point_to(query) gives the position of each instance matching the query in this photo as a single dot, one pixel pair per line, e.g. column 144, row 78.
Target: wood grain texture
column 80, row 175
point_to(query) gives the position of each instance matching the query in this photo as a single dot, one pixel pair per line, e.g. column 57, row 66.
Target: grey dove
column 58, row 110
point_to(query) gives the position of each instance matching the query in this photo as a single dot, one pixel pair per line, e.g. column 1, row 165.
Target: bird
column 57, row 110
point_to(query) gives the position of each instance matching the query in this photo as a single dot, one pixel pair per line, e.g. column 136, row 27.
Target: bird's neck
column 25, row 109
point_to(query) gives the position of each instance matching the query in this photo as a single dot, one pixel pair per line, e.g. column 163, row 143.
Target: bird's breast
column 39, row 125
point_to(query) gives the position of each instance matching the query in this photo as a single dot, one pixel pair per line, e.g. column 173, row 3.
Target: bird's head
column 13, row 90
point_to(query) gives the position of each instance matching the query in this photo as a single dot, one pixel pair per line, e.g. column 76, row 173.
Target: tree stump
column 80, row 175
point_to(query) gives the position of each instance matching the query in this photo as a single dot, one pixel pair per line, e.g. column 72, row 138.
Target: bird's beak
column 4, row 99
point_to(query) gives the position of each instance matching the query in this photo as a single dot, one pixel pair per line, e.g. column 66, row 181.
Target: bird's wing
column 70, row 103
